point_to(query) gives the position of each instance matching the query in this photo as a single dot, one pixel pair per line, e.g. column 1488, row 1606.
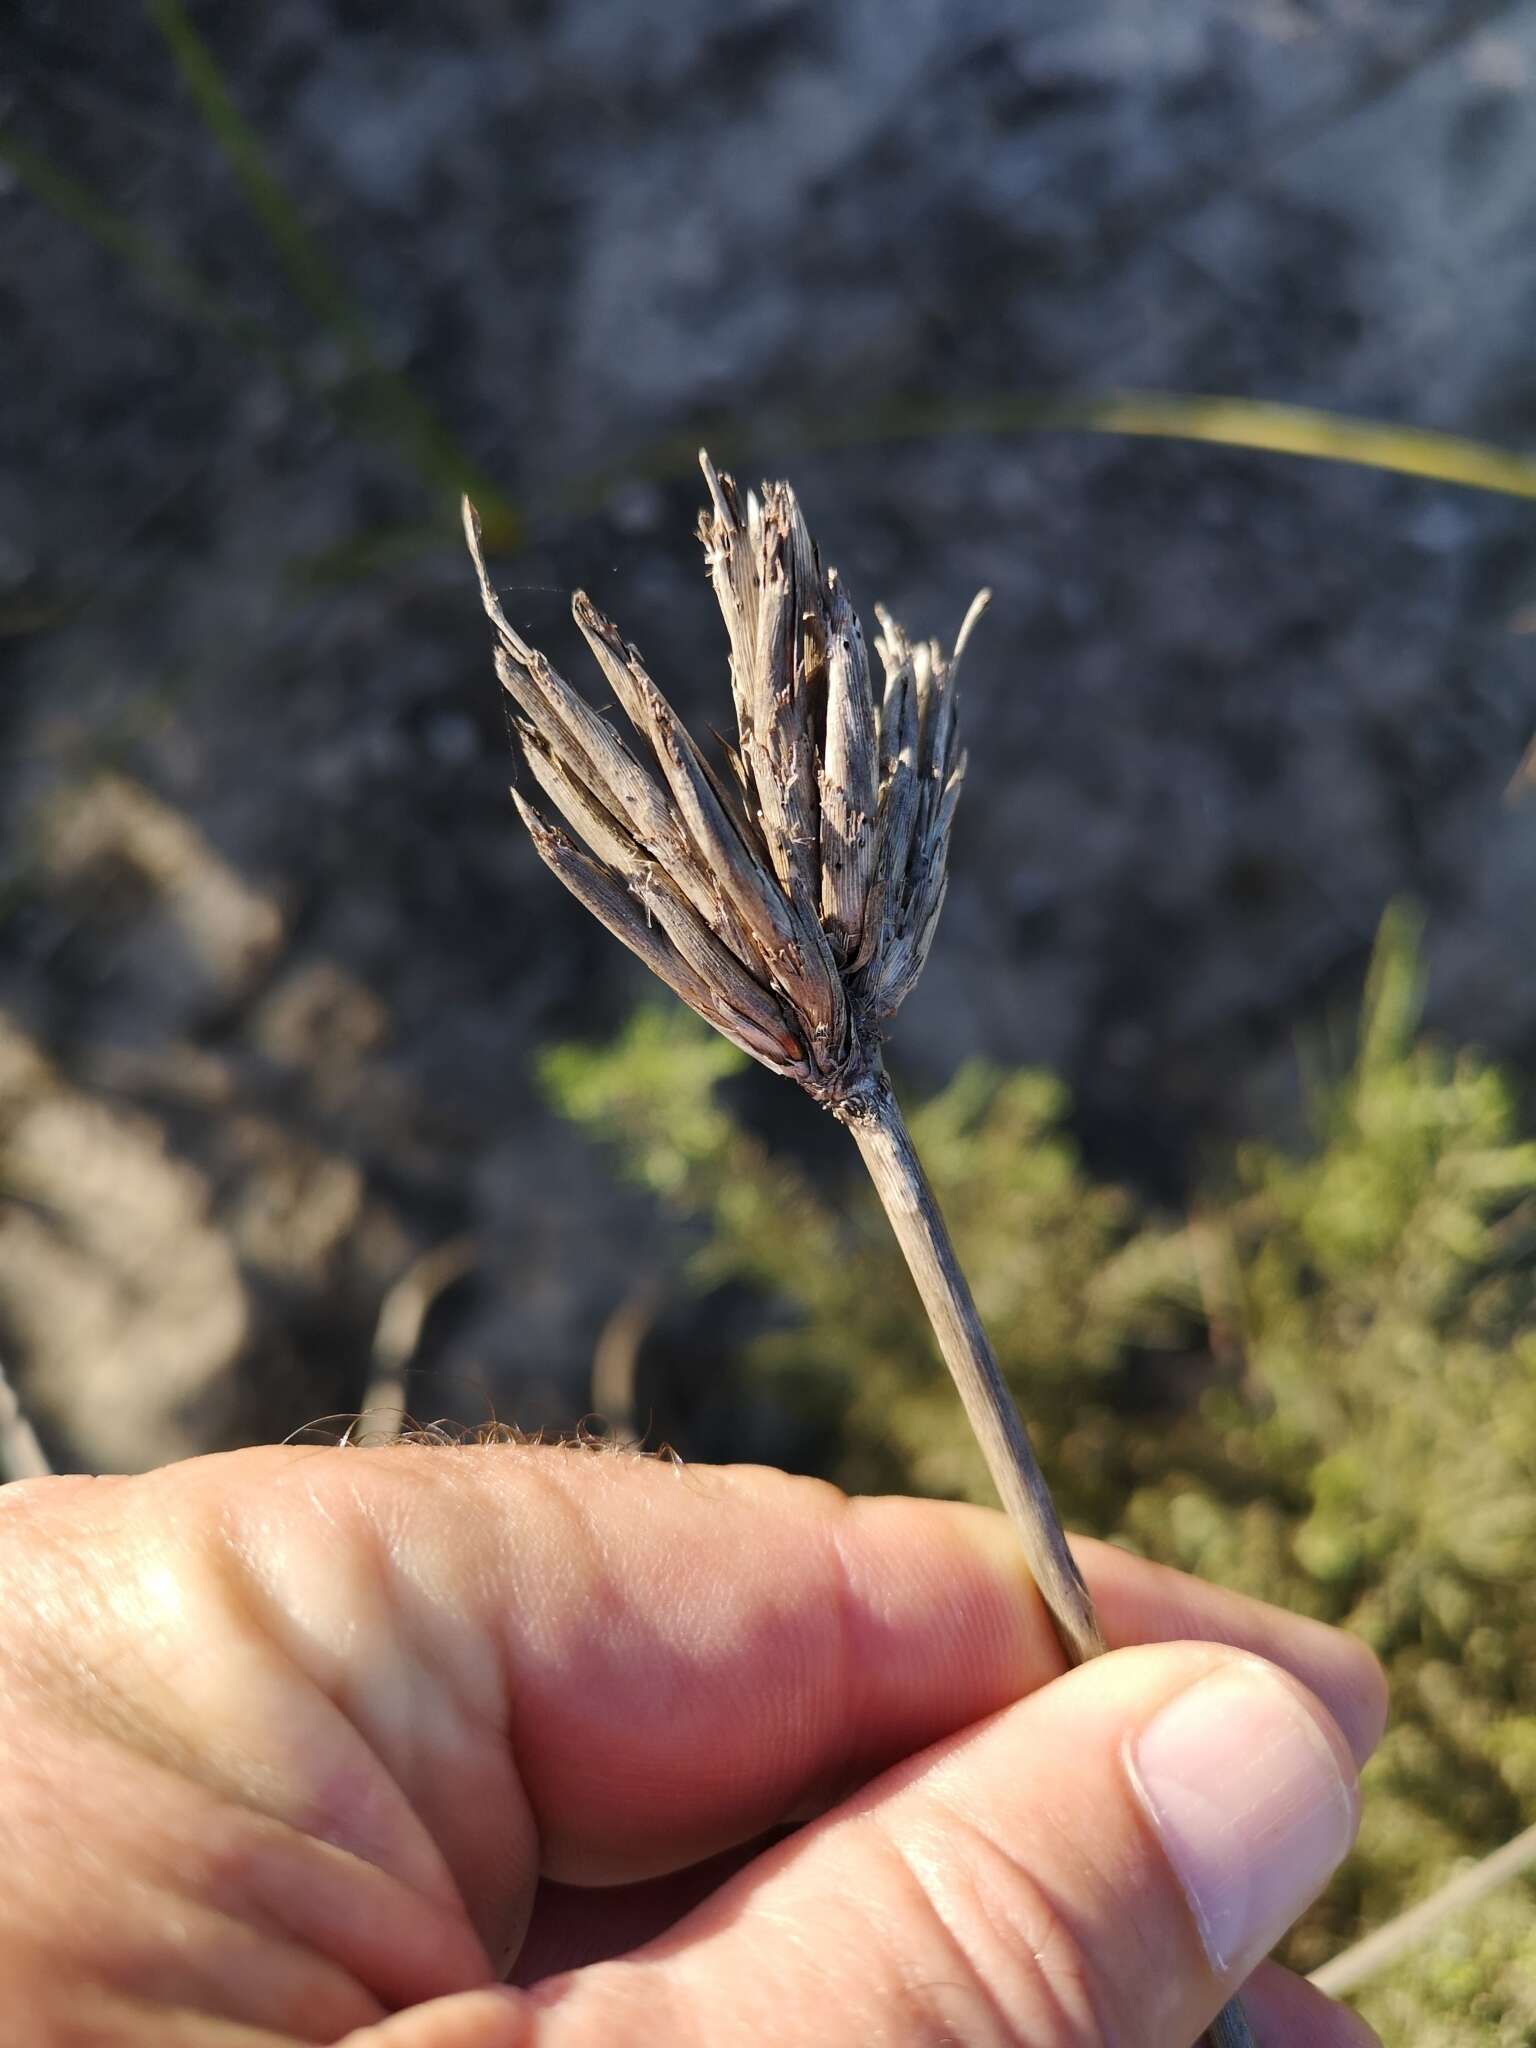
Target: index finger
column 691, row 1655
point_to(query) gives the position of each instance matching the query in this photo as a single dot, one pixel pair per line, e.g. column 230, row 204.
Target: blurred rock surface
column 275, row 956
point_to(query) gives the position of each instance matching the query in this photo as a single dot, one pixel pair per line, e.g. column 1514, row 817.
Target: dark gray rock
column 1226, row 706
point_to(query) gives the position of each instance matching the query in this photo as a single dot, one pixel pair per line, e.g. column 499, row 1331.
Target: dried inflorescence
column 791, row 896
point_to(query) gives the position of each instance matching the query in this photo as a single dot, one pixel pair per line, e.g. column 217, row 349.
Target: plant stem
column 21, row 1455
column 1372, row 1954
column 1230, row 2028
column 885, row 1145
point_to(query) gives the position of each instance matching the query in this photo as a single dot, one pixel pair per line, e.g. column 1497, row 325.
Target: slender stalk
column 1373, row 1954
column 21, row 1455
column 879, row 1130
column 397, row 1333
column 1230, row 2028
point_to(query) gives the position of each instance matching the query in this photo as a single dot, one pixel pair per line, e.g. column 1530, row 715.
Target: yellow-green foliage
column 1320, row 1389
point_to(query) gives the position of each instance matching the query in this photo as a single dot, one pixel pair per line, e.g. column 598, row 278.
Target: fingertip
column 1141, row 1602
column 1365, row 1700
column 1252, row 1794
column 1285, row 2011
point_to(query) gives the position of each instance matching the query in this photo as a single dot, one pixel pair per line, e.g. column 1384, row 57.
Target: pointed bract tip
column 590, row 619
column 716, row 488
column 474, row 540
column 537, row 824
column 979, row 604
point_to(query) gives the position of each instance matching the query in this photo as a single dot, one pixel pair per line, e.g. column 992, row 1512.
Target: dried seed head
column 792, row 901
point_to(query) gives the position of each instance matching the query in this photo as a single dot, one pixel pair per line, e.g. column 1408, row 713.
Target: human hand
column 313, row 1745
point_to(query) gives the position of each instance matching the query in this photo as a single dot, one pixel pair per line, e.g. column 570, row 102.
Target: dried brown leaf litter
column 790, row 894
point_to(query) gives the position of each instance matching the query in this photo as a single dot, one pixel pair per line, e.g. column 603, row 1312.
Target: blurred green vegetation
column 1320, row 1388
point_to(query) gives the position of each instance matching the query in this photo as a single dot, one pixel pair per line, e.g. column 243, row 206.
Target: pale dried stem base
column 885, row 1145
column 21, row 1455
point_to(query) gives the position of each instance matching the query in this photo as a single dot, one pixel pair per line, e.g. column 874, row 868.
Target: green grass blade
column 1224, row 422
column 308, row 271
column 392, row 405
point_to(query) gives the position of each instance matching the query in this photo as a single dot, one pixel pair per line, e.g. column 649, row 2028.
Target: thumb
column 1104, row 1862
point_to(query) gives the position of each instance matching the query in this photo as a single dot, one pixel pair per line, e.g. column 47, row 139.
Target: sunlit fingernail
column 1250, row 1802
